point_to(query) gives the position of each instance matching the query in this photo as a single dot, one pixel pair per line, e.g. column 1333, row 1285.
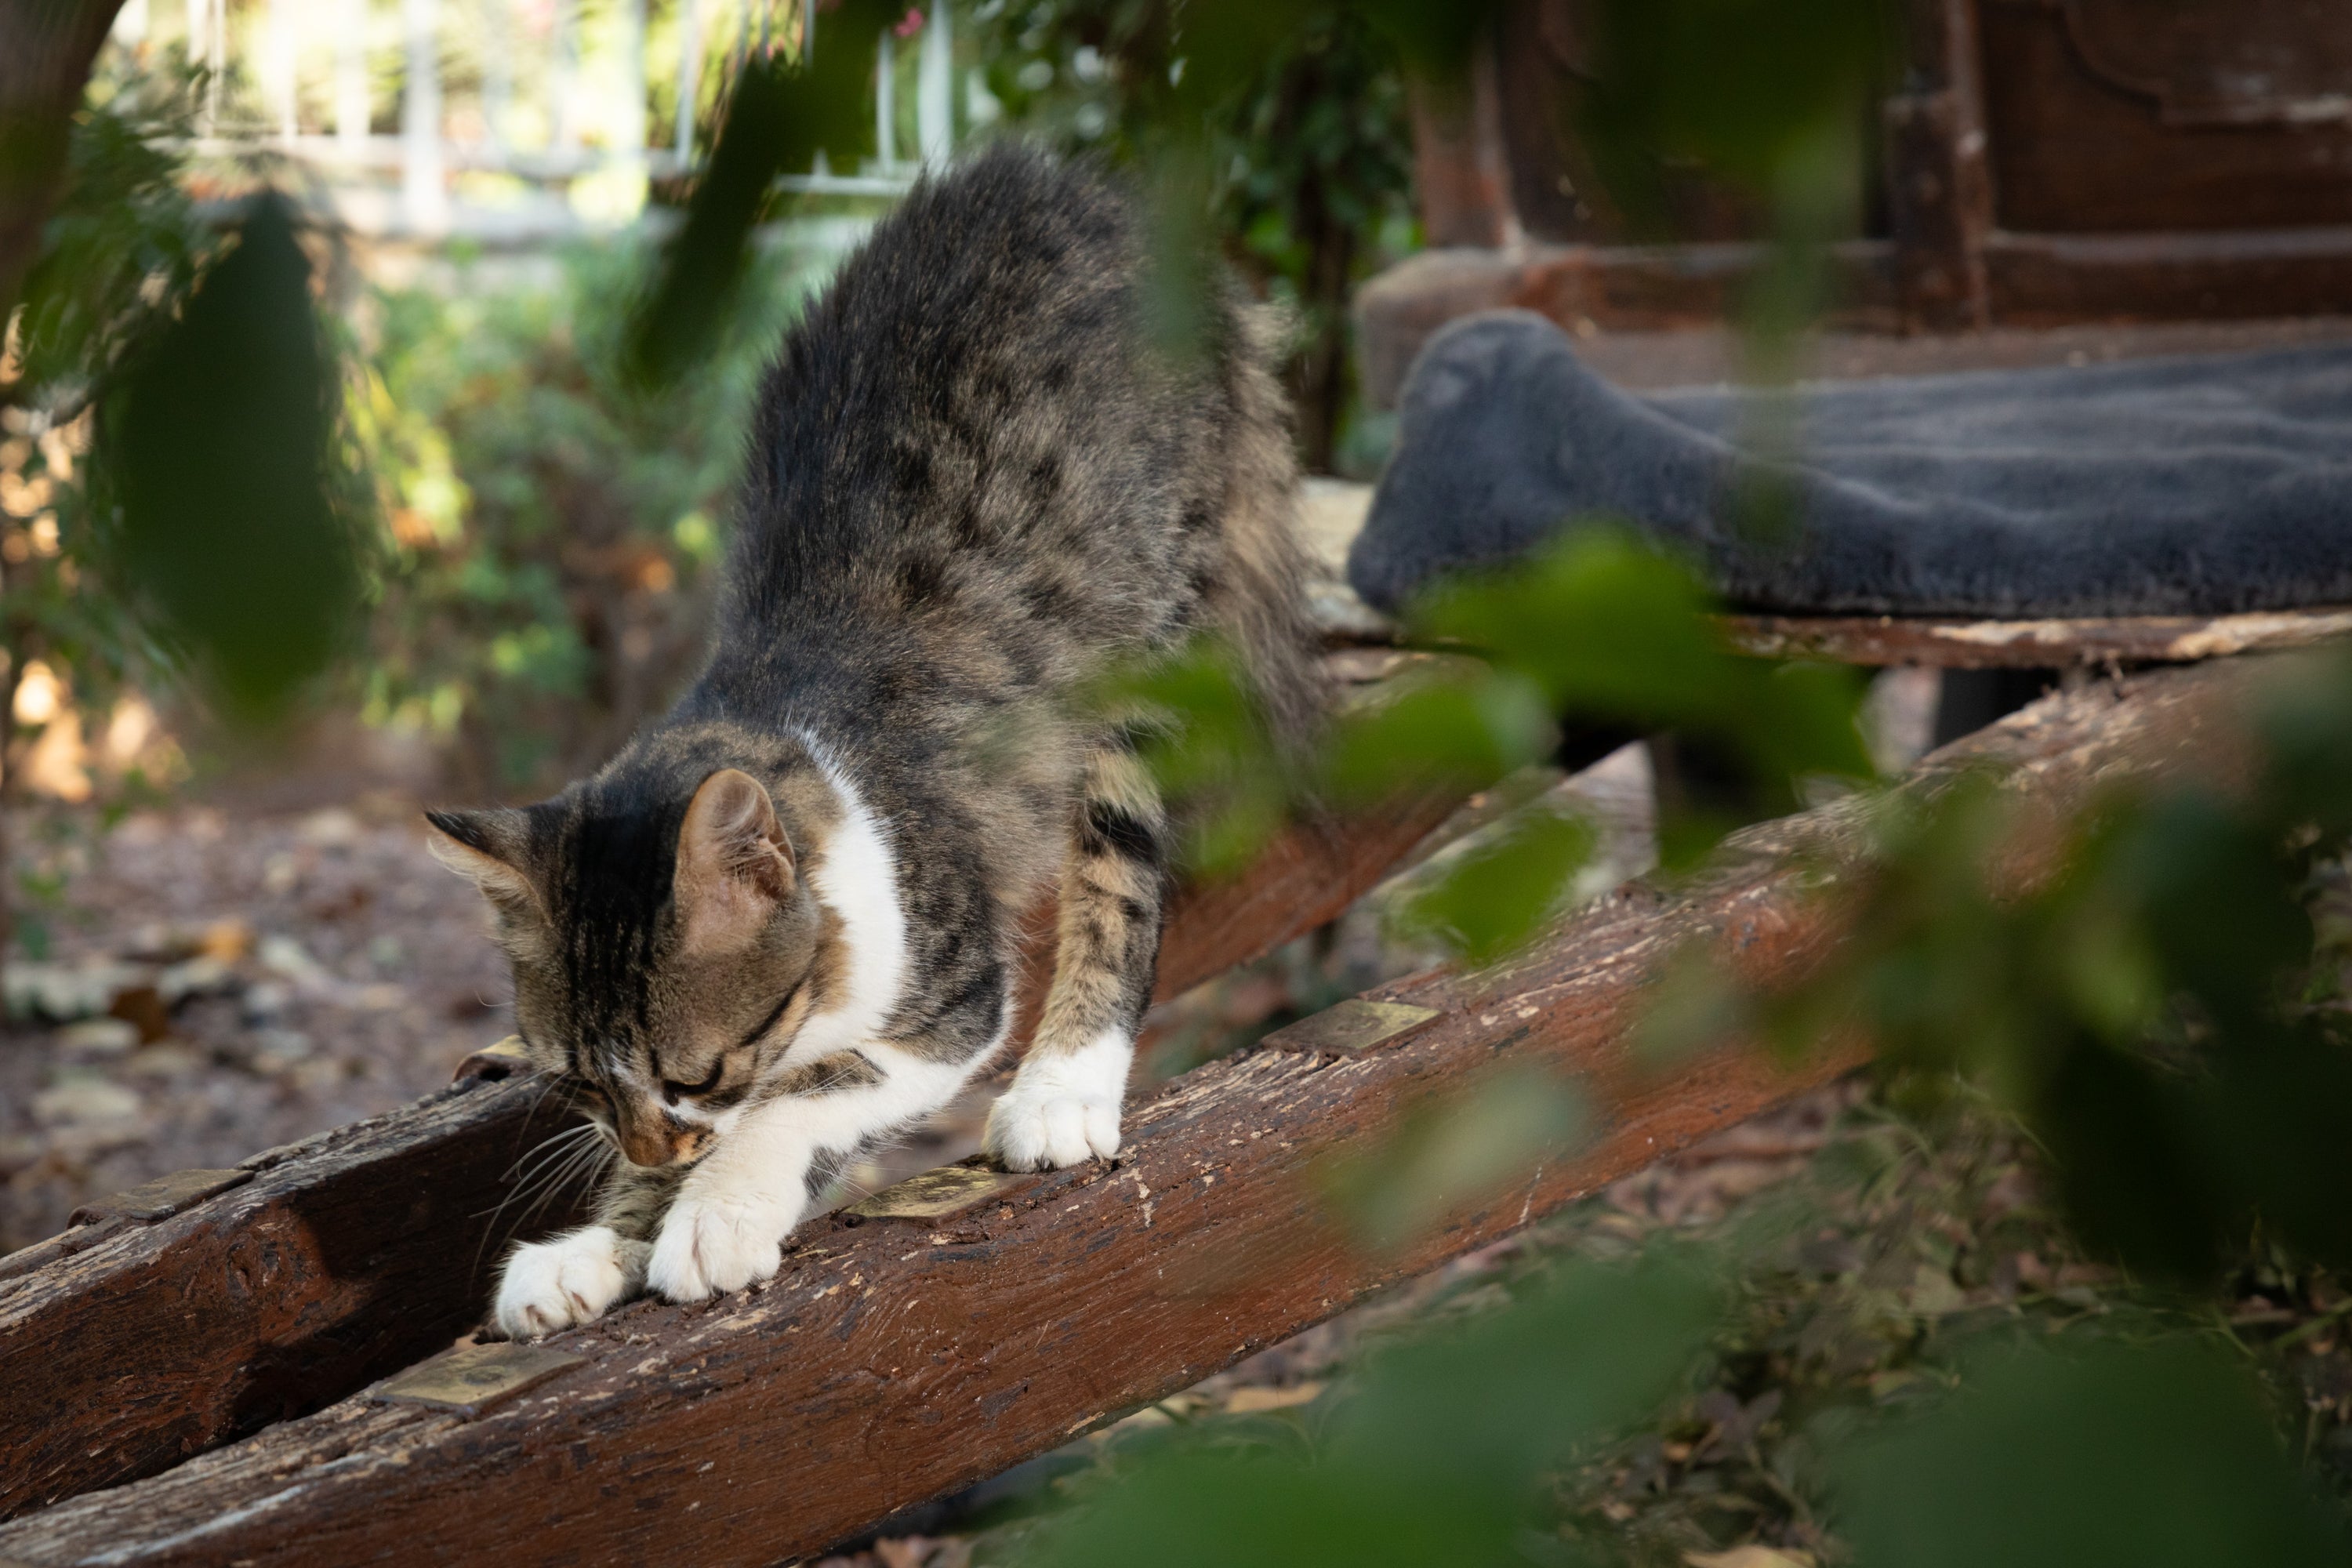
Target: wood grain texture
column 893, row 1362
column 124, row 1348
column 2079, row 145
column 341, row 1261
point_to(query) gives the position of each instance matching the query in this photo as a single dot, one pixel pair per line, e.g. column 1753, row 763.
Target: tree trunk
column 46, row 50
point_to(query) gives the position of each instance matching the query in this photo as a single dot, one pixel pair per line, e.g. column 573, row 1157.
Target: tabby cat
column 780, row 924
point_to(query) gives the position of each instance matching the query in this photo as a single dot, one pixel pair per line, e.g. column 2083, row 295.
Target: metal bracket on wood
column 472, row 1378
column 939, row 1194
column 1355, row 1025
column 160, row 1198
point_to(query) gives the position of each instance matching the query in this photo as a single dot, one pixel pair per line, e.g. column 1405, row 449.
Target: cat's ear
column 734, row 863
column 489, row 846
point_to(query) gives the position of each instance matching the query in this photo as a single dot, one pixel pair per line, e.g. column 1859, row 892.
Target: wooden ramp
column 973, row 1319
column 213, row 1303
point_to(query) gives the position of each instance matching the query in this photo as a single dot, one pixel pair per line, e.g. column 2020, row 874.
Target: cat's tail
column 1259, row 599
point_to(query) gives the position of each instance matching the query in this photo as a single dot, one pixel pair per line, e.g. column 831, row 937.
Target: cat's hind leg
column 1063, row 1106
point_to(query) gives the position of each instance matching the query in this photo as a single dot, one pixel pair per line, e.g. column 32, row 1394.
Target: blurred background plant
column 551, row 529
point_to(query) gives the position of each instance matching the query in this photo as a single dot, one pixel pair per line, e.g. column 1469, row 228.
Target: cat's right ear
column 490, row 848
column 735, row 865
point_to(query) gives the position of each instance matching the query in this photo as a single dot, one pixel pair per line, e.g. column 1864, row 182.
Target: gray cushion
column 2201, row 485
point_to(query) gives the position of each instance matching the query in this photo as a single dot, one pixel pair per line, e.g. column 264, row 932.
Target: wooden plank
column 1939, row 189
column 1941, row 642
column 2088, row 642
column 888, row 1363
column 2042, row 279
column 2032, row 281
column 338, row 1261
column 348, row 1256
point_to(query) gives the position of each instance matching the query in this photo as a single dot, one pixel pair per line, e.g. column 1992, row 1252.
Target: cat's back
column 969, row 436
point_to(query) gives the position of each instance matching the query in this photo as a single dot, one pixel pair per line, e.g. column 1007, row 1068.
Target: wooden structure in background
column 2041, row 161
column 979, row 1319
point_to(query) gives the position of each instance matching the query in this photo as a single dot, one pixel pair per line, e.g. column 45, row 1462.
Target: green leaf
column 2066, row 1456
column 221, row 438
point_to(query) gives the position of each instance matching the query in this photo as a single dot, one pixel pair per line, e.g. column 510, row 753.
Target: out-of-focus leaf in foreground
column 1452, row 1153
column 780, row 114
column 220, row 440
column 1203, row 734
column 2062, row 1458
column 1436, row 1455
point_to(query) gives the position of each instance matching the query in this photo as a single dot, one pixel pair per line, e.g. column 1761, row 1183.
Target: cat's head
column 665, row 951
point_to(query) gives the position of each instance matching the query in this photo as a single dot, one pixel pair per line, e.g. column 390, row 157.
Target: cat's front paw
column 1061, row 1110
column 576, row 1277
column 709, row 1247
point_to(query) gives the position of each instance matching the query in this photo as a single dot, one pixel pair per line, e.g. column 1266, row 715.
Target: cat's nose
column 647, row 1139
column 645, row 1146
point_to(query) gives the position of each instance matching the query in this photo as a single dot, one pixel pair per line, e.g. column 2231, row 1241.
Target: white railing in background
column 352, row 158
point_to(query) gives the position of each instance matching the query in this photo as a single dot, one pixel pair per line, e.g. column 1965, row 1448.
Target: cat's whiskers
column 550, row 1155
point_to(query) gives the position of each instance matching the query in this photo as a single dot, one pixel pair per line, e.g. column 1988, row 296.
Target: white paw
column 709, row 1247
column 551, row 1284
column 1062, row 1109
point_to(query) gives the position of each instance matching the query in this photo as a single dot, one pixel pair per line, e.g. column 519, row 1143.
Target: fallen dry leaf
column 1251, row 1401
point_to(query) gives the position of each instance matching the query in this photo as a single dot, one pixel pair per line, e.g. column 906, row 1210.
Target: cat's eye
column 672, row 1089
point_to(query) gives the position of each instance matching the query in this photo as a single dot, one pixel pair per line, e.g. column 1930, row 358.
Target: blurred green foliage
column 2138, row 1008
column 218, row 501
column 784, row 108
column 554, row 524
column 218, row 447
column 1437, row 1455
column 123, row 249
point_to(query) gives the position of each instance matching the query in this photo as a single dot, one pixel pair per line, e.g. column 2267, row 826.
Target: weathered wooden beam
column 1946, row 642
column 1938, row 188
column 897, row 1359
column 129, row 1344
column 2090, row 641
column 2029, row 280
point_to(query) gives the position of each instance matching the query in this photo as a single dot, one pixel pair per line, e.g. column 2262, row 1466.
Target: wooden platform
column 1334, row 514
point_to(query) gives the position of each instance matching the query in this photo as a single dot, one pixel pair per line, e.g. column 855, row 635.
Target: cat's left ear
column 735, row 866
column 491, row 847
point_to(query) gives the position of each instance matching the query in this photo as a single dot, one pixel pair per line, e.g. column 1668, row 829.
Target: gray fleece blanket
column 2180, row 486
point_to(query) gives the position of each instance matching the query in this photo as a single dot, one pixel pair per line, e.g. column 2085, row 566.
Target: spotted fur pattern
column 781, row 922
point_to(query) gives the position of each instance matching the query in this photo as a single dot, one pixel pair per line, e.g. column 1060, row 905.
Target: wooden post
column 629, row 140
column 497, row 71
column 281, row 63
column 690, row 22
column 564, row 75
column 886, row 103
column 935, row 89
column 1460, row 164
column 352, row 110
column 424, row 192
column 895, row 1359
column 1938, row 183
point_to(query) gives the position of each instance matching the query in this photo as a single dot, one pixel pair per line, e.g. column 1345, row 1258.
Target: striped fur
column 781, row 922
